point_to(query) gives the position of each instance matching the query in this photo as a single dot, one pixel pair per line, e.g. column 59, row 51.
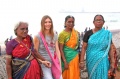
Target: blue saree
column 97, row 54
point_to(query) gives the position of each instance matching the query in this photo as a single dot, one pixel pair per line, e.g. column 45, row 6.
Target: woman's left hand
column 111, row 71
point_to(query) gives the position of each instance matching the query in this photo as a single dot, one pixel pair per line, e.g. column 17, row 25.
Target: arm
column 36, row 47
column 111, row 72
column 61, row 51
column 37, row 55
column 57, row 50
column 62, row 55
column 8, row 66
column 58, row 53
column 84, row 46
column 111, row 55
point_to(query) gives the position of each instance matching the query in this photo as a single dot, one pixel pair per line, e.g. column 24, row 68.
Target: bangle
column 64, row 60
column 81, row 62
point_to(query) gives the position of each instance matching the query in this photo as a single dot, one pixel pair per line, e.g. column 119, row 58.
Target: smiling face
column 98, row 21
column 22, row 30
column 47, row 24
column 69, row 23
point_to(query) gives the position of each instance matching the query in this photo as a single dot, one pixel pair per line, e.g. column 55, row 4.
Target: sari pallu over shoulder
column 71, row 56
column 70, row 47
column 97, row 54
column 20, row 62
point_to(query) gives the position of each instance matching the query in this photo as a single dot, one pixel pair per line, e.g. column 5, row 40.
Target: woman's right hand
column 66, row 65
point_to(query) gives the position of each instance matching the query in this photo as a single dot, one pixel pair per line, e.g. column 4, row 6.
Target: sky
column 31, row 11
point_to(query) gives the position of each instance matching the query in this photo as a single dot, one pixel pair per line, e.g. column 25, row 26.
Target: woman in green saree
column 68, row 44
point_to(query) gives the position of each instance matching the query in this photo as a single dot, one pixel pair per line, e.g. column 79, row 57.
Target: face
column 47, row 24
column 69, row 23
column 98, row 22
column 22, row 30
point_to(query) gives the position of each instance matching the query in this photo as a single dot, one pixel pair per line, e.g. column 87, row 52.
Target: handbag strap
column 45, row 44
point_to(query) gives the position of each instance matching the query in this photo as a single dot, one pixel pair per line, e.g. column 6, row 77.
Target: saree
column 71, row 55
column 97, row 54
column 20, row 52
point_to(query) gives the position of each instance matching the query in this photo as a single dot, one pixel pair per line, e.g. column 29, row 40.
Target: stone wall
column 3, row 74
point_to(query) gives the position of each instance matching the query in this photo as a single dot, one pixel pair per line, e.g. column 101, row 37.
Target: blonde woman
column 51, row 38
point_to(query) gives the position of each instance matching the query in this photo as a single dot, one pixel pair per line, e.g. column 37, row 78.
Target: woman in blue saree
column 97, row 43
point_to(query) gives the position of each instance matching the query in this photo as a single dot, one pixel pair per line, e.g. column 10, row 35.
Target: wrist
column 81, row 62
column 112, row 62
column 64, row 60
column 10, row 78
column 43, row 62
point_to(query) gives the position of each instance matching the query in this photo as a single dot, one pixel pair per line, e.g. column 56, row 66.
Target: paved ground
column 4, row 76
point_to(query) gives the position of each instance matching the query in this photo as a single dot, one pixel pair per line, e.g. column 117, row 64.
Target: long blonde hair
column 43, row 27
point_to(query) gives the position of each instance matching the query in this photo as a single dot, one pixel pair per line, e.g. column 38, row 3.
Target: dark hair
column 67, row 17
column 98, row 15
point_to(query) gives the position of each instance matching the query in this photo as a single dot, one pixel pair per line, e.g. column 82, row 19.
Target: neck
column 68, row 30
column 47, row 32
column 19, row 39
column 97, row 29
